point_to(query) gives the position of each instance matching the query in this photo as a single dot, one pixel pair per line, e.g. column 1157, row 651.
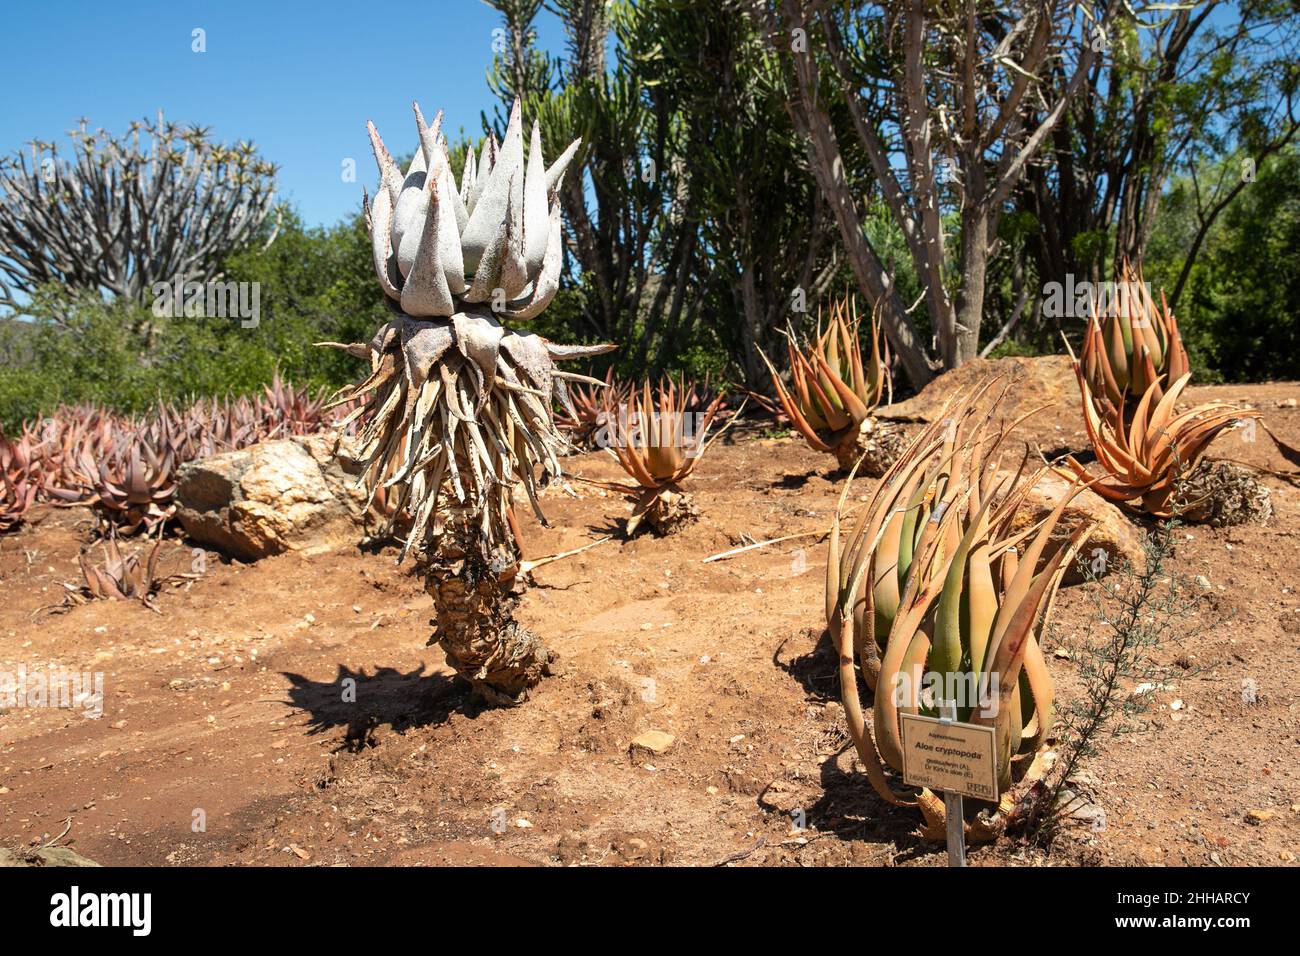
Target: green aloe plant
column 943, row 584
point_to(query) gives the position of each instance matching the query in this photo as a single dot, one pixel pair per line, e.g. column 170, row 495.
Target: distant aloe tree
column 113, row 215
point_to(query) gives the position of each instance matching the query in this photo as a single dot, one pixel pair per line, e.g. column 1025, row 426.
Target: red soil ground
column 231, row 703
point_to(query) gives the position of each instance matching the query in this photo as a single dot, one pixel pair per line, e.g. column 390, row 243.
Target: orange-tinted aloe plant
column 833, row 390
column 1131, row 372
column 1143, row 456
column 939, row 592
column 584, row 413
column 1134, row 345
column 659, row 436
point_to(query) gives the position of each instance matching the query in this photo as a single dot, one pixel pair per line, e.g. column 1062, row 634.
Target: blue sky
column 298, row 78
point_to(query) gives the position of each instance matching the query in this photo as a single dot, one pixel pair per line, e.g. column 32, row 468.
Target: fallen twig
column 736, row 857
column 763, row 544
column 527, row 567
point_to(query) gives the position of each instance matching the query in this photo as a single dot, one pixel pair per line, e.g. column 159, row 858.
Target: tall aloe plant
column 458, row 403
column 943, row 586
column 1131, row 373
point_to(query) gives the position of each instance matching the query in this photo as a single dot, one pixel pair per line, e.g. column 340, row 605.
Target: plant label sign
column 949, row 756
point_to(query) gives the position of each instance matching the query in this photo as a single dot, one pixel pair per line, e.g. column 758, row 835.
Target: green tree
column 1238, row 314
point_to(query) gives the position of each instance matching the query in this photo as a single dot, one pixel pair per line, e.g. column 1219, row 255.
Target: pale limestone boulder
column 1114, row 537
column 291, row 494
column 45, row 856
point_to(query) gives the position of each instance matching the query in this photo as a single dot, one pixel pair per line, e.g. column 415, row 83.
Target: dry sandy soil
column 229, row 706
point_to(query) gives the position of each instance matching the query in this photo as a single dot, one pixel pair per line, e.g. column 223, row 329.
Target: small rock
column 654, row 741
column 523, row 824
column 1202, row 582
column 1258, row 817
column 1083, row 780
column 1091, row 814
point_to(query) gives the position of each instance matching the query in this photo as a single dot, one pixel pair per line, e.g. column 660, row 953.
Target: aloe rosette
column 941, row 585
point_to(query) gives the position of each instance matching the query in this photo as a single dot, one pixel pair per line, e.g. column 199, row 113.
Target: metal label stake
column 952, row 803
column 956, row 759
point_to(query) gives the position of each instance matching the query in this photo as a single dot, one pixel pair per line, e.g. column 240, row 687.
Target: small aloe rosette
column 834, row 390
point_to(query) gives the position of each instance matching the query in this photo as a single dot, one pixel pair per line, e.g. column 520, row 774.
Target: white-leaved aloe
column 492, row 244
column 458, row 406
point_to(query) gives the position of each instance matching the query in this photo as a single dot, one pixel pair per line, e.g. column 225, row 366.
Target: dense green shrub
column 1238, row 312
column 312, row 285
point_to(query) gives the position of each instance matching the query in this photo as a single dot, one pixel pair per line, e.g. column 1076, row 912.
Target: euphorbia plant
column 459, row 404
column 940, row 586
column 833, row 391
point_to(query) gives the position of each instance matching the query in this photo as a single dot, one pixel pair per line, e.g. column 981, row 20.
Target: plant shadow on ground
column 614, row 526
column 848, row 806
column 1084, row 456
column 795, row 482
column 388, row 696
column 817, row 671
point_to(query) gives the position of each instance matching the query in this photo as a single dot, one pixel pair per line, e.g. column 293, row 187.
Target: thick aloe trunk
column 474, row 607
column 876, row 444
